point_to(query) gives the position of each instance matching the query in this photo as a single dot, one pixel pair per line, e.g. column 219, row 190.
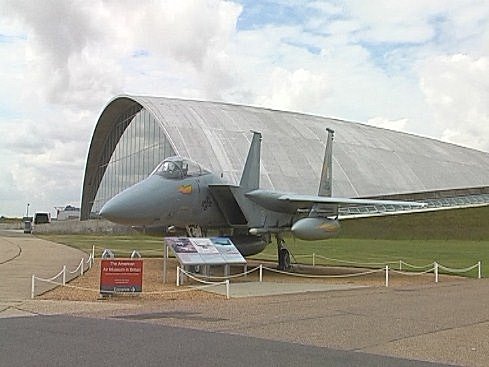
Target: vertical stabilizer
column 250, row 179
column 326, row 182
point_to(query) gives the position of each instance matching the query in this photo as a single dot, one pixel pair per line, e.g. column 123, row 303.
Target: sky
column 420, row 67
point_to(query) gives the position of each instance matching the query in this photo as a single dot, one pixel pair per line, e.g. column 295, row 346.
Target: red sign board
column 121, row 275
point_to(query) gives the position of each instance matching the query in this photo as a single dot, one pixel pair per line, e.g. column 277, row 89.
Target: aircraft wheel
column 284, row 259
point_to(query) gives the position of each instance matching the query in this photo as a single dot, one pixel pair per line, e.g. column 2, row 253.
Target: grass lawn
column 456, row 238
column 121, row 245
column 450, row 253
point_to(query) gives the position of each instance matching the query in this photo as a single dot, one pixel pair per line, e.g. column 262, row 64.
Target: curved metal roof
column 368, row 161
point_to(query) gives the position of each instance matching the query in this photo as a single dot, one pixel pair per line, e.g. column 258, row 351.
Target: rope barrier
column 196, row 277
column 323, row 276
column 300, row 256
column 355, row 262
column 463, row 270
column 199, row 280
column 80, row 266
column 90, row 261
column 49, row 279
column 115, row 292
column 415, row 266
column 211, row 284
column 411, row 273
column 224, row 277
column 63, row 272
column 400, row 262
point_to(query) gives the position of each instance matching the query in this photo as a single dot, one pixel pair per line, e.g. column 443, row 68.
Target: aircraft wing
column 291, row 203
column 346, row 202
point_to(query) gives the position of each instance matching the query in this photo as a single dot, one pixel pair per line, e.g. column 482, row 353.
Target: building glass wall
column 141, row 147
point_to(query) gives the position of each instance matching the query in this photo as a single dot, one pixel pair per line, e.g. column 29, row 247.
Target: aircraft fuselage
column 159, row 201
column 180, row 193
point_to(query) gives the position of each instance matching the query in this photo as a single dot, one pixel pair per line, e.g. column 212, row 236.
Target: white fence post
column 93, row 253
column 227, row 288
column 81, row 266
column 165, row 260
column 480, row 272
column 436, row 272
column 387, row 275
column 178, row 276
column 64, row 274
column 261, row 273
column 400, row 265
column 313, row 259
column 33, row 286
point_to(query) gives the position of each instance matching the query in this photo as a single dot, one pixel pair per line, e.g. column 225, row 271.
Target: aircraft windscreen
column 178, row 167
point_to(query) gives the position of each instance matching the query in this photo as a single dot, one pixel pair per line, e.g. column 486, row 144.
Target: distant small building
column 68, row 212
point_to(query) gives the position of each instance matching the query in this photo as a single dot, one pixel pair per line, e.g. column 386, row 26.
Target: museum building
column 134, row 133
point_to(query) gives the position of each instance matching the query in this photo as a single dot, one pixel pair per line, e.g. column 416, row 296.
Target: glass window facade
column 141, row 147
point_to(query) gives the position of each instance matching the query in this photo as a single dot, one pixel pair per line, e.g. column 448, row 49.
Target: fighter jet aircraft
column 179, row 193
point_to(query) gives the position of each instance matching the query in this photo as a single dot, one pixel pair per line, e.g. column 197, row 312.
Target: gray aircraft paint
column 173, row 197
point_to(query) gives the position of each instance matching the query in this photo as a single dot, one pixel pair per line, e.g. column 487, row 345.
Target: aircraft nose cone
column 116, row 210
column 130, row 207
column 111, row 210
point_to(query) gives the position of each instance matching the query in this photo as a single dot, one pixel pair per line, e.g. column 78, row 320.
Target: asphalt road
column 75, row 341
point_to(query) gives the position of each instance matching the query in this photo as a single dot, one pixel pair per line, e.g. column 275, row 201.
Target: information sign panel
column 228, row 251
column 205, row 251
column 121, row 275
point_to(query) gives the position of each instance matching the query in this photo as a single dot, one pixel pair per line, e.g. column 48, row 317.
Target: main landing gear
column 283, row 255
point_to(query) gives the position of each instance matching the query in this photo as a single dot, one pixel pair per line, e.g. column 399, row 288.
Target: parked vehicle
column 41, row 218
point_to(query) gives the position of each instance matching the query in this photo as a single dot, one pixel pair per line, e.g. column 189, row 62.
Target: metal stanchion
column 33, row 286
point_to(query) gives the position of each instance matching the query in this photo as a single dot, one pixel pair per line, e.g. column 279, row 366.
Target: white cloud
column 398, row 125
column 296, row 90
column 62, row 62
column 61, row 38
column 417, row 67
column 457, row 89
column 189, row 38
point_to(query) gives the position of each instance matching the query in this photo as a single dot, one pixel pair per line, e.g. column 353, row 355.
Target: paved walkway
column 22, row 255
column 256, row 289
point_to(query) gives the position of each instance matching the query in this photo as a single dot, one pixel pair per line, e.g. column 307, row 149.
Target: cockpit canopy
column 178, row 168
